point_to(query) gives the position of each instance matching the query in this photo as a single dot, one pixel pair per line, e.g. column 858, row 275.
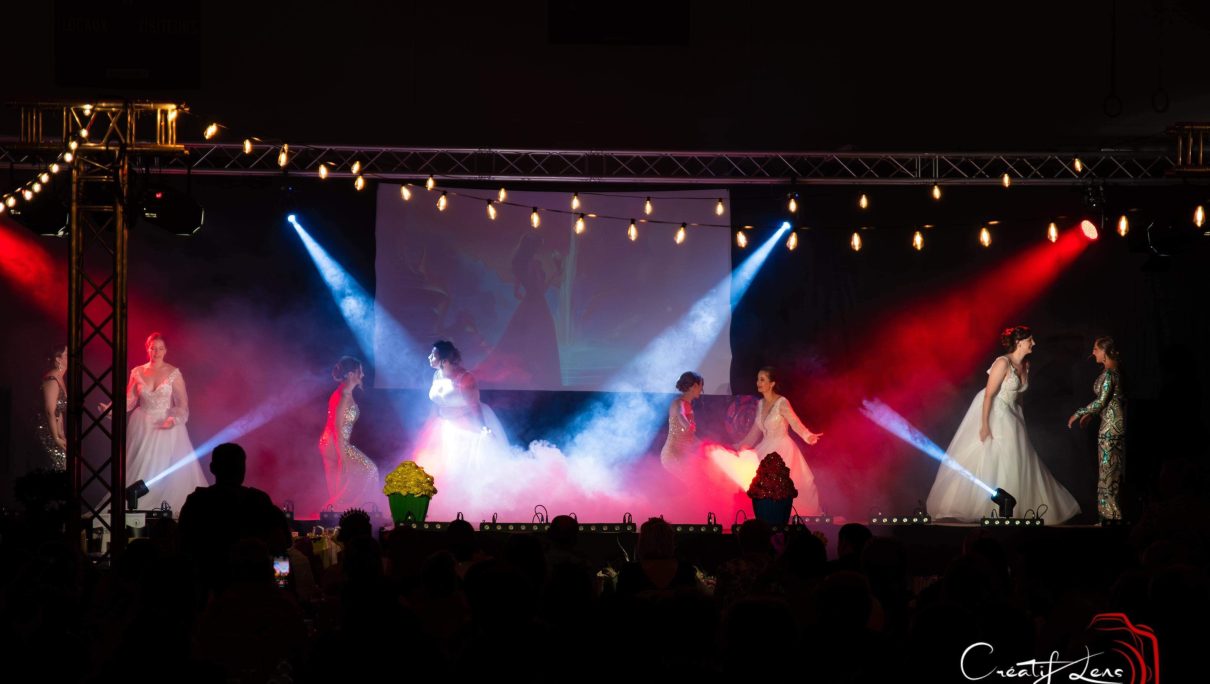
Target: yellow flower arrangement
column 409, row 479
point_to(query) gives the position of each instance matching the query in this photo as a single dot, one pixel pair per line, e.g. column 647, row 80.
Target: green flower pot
column 405, row 506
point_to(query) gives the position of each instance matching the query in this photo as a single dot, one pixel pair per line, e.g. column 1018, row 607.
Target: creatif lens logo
column 1119, row 652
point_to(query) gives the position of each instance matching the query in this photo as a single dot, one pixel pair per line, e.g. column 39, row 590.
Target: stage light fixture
column 1089, row 229
column 1011, row 522
column 174, row 211
column 1005, row 503
column 915, row 518
column 133, row 493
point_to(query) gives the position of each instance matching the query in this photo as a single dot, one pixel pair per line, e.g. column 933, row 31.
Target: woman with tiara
column 991, row 446
column 352, row 477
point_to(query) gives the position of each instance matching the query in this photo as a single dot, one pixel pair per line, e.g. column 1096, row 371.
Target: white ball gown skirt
column 1007, row 461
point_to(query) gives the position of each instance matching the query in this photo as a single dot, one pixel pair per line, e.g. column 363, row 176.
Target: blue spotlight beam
column 685, row 343
column 358, row 308
column 286, row 401
column 886, row 418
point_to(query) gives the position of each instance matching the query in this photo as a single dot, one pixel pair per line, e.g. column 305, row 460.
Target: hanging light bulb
column 741, row 240
column 719, row 209
column 360, row 183
column 68, row 157
column 27, row 194
column 792, row 241
column 73, row 145
column 985, row 237
column 1078, row 165
column 855, row 242
column 1123, row 225
column 503, row 195
column 37, row 186
column 792, row 205
column 405, row 192
column 580, row 225
column 575, row 201
column 647, row 207
column 1052, row 232
column 443, row 201
column 10, row 200
column 283, row 157
column 680, row 234
column 247, row 145
column 211, row 131
column 356, row 169
column 491, row 210
column 918, row 241
column 633, row 231
column 323, row 171
column 936, row 191
column 430, row 183
column 54, row 168
column 83, row 133
column 1006, row 180
column 863, row 202
column 1199, row 216
column 45, row 177
column 534, row 219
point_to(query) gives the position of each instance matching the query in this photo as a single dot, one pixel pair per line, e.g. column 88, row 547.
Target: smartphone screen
column 281, row 570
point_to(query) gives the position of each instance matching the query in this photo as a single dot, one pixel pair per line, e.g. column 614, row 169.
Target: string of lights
column 359, row 172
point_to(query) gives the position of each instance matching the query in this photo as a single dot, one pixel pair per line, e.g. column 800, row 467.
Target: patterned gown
column 352, row 477
column 46, row 437
column 682, row 443
column 1111, row 441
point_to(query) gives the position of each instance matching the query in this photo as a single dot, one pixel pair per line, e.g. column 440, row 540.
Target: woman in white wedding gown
column 157, row 442
column 774, row 419
column 991, row 444
column 463, row 447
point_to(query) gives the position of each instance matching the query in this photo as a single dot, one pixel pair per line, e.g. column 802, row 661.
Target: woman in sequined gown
column 51, row 434
column 774, row 420
column 682, row 443
column 992, row 446
column 157, row 441
column 352, row 477
column 1110, row 404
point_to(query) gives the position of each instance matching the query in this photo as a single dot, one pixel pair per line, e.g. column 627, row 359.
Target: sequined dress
column 55, row 454
column 1110, row 404
column 162, row 457
column 682, row 443
column 1006, row 460
column 352, row 477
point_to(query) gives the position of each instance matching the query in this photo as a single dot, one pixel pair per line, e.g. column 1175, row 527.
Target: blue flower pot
column 773, row 511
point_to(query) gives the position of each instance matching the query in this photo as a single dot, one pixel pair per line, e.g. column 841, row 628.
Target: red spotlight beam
column 915, row 359
column 30, row 269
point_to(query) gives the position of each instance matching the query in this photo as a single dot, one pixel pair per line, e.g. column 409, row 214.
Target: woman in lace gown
column 991, row 444
column 1110, row 404
column 352, row 477
column 157, row 442
column 51, row 433
column 774, row 420
column 682, row 443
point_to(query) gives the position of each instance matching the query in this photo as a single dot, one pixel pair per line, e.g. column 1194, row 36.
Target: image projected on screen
column 548, row 308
